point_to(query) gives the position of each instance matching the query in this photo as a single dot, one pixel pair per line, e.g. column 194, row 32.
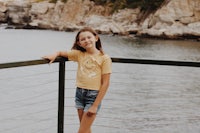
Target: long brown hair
column 76, row 43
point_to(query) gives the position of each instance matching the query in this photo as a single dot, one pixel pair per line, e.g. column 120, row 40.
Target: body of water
column 140, row 99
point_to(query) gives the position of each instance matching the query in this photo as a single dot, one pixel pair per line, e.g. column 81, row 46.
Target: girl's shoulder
column 75, row 52
column 106, row 56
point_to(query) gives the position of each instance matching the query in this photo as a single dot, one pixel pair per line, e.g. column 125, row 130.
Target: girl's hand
column 51, row 57
column 91, row 111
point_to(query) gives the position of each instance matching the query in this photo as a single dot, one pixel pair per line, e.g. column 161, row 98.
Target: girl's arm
column 101, row 94
column 52, row 57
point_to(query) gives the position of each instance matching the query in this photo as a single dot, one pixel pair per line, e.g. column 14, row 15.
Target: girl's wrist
column 95, row 105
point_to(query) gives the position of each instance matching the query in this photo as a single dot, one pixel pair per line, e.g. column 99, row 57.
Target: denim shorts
column 85, row 98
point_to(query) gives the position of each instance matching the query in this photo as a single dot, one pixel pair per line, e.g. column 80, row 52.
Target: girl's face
column 87, row 40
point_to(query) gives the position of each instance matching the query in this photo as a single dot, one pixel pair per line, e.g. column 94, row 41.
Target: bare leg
column 80, row 114
column 86, row 123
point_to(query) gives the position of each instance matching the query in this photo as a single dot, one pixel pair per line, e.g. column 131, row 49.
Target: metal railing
column 61, row 84
column 117, row 60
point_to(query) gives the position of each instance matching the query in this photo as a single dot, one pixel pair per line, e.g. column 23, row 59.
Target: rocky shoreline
column 179, row 19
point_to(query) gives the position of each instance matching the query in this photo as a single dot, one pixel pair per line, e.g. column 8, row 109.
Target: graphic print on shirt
column 89, row 67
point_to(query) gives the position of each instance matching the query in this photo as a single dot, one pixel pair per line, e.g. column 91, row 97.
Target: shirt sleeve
column 107, row 65
column 73, row 55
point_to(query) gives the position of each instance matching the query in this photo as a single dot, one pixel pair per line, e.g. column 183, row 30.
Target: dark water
column 141, row 98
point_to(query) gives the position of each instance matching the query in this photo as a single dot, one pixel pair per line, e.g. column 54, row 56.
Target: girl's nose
column 86, row 39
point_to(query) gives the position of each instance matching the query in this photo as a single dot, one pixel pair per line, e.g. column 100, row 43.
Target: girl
column 93, row 75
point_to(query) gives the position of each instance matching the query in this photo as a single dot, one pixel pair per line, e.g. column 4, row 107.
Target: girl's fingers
column 51, row 58
column 90, row 113
column 51, row 61
column 46, row 57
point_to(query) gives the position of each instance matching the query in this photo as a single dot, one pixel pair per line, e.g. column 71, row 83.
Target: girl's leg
column 80, row 114
column 86, row 123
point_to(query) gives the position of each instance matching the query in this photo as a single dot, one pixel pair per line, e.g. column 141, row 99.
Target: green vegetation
column 38, row 0
column 146, row 6
column 54, row 1
column 51, row 1
column 120, row 4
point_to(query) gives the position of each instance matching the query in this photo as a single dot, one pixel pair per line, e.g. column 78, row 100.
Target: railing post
column 61, row 96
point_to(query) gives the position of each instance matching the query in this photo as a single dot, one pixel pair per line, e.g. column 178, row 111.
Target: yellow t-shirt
column 90, row 68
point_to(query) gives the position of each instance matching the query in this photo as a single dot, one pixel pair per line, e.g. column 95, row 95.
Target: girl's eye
column 82, row 39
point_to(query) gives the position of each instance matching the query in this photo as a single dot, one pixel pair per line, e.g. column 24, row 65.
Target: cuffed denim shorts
column 85, row 98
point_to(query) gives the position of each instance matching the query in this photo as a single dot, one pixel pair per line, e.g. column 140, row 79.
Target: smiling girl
column 93, row 75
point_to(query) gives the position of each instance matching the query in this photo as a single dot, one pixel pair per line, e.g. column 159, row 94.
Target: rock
column 195, row 25
column 3, row 7
column 105, row 25
column 41, row 24
column 126, row 16
column 40, row 8
column 3, row 17
column 178, row 18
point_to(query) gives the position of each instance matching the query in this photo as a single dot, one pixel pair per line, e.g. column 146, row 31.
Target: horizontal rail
column 29, row 63
column 117, row 60
column 157, row 62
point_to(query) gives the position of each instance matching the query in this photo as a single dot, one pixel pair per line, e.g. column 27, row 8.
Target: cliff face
column 179, row 18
